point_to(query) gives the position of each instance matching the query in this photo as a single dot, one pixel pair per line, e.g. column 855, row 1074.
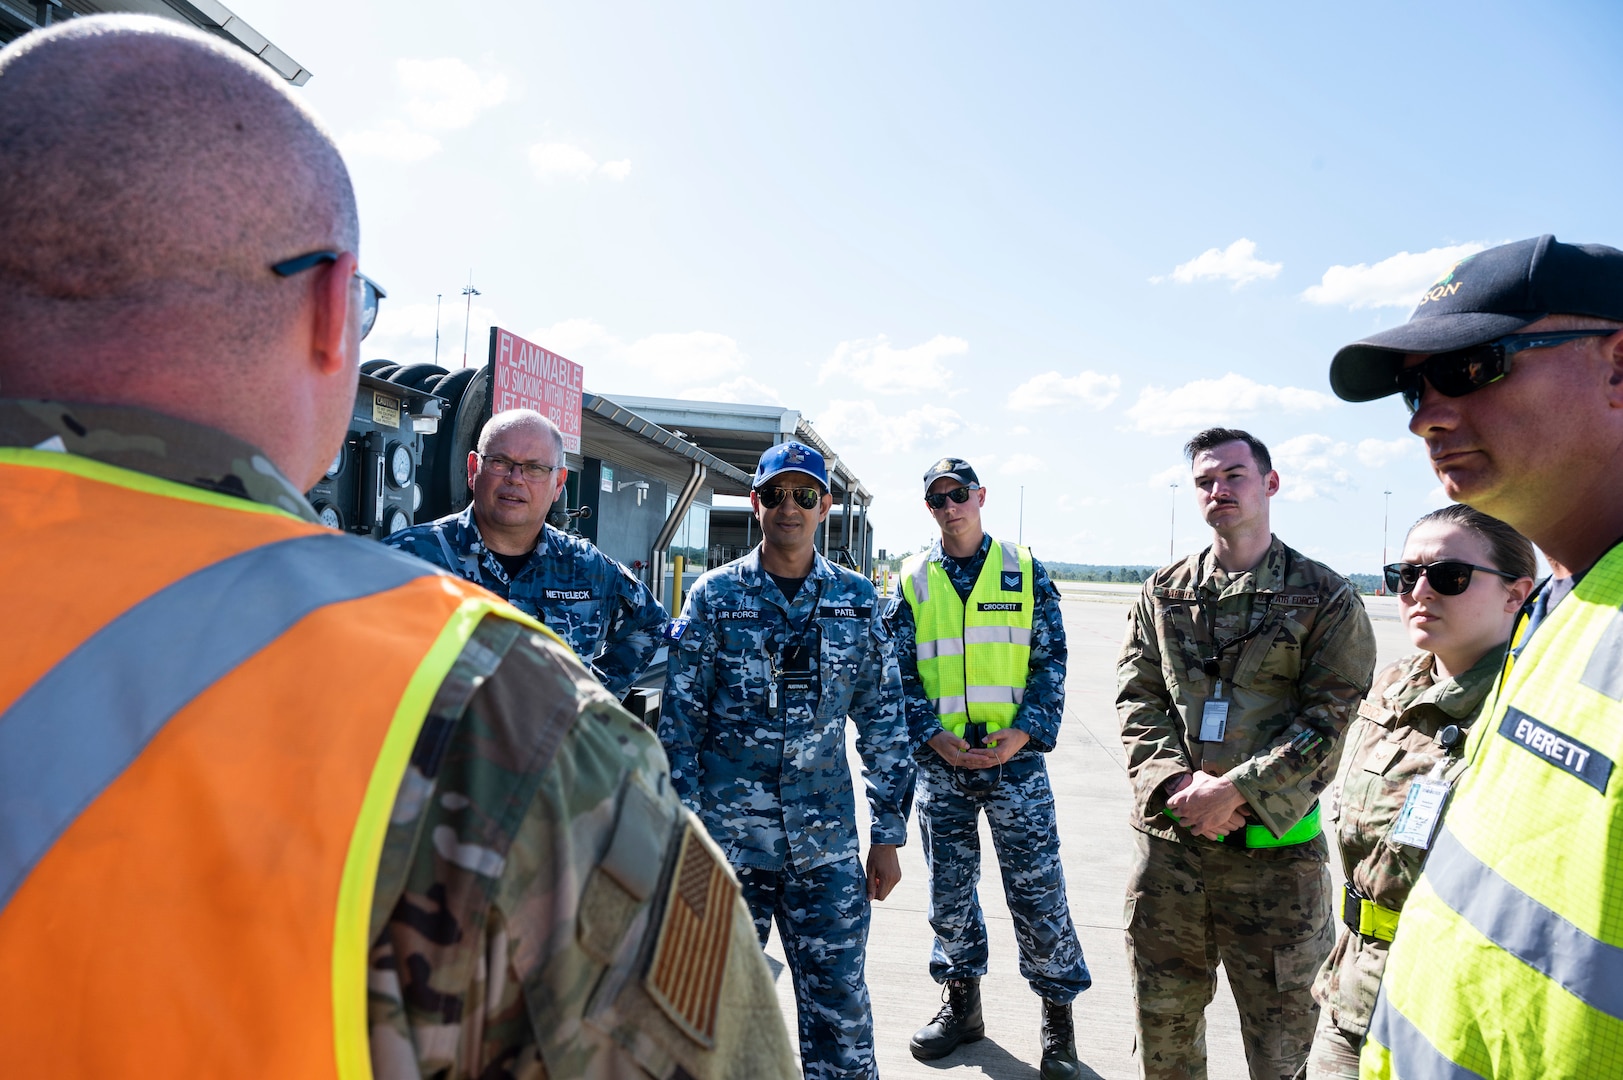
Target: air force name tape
column 999, row 605
column 844, row 611
column 567, row 595
column 1563, row 751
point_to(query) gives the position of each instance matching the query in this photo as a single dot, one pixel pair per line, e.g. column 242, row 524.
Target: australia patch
column 844, row 611
column 999, row 605
column 676, row 629
column 1013, row 582
column 567, row 596
column 1563, row 751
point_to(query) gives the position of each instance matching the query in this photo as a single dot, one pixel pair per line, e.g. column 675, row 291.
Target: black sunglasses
column 806, row 498
column 371, row 291
column 1457, row 373
column 957, row 495
column 1448, row 577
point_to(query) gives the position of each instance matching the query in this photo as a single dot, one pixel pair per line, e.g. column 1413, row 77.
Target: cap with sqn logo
column 957, row 468
column 1483, row 297
column 791, row 457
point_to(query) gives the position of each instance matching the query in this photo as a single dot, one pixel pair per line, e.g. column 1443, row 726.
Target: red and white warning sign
column 527, row 376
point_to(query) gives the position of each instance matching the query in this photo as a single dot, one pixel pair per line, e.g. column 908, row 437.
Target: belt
column 1258, row 836
column 1365, row 917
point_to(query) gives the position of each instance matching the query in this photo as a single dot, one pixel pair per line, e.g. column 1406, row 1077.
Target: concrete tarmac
column 1089, row 774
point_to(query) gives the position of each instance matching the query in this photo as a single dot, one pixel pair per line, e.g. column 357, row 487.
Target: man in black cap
column 1507, row 957
column 981, row 645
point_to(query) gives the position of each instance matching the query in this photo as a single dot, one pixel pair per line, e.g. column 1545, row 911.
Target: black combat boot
column 959, row 1021
column 1059, row 1043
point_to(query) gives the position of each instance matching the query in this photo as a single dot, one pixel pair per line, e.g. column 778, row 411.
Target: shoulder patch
column 690, row 956
column 676, row 629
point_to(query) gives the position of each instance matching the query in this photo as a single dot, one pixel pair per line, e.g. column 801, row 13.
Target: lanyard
column 1212, row 665
column 774, row 666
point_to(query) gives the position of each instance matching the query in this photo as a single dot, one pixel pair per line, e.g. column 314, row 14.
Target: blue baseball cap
column 791, row 457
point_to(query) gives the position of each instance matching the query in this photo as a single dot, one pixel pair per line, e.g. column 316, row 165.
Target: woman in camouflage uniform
column 1463, row 578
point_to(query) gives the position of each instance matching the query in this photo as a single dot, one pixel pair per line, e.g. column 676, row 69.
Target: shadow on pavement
column 995, row 1062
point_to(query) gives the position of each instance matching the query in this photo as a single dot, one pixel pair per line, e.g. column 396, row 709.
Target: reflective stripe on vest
column 202, row 734
column 973, row 659
column 1508, row 960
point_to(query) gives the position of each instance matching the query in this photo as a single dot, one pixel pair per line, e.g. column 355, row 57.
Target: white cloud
column 446, row 94
column 405, row 334
column 1050, row 389
column 1311, row 467
column 861, row 422
column 878, row 367
column 1377, row 453
column 1020, row 464
column 1204, row 402
column 1172, row 474
column 1396, row 281
column 695, row 354
column 394, row 141
column 743, row 390
column 556, row 159
column 1237, row 263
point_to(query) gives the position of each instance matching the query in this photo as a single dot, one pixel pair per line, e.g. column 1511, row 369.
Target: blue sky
column 1052, row 239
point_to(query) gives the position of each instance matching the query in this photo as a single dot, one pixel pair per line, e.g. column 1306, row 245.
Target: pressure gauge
column 397, row 521
column 330, row 516
column 416, row 497
column 337, row 465
column 399, row 465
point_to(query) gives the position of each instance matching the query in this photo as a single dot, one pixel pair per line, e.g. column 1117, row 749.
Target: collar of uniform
column 1458, row 696
column 148, row 442
column 472, row 540
column 756, row 580
column 1268, row 576
column 938, row 553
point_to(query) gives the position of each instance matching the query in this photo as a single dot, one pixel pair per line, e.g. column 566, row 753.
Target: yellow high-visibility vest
column 1508, row 961
column 973, row 658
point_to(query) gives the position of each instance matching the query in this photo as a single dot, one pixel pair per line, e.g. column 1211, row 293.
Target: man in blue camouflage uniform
column 771, row 654
column 502, row 541
column 1006, row 777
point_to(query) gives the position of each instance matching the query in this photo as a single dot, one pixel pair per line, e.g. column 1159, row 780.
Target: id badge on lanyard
column 1416, row 823
column 1214, row 717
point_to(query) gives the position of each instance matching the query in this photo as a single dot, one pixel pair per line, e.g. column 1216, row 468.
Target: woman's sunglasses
column 957, row 495
column 1448, row 577
column 1457, row 373
column 806, row 498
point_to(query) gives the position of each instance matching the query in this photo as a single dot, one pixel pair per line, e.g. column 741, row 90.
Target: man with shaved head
column 501, row 540
column 275, row 800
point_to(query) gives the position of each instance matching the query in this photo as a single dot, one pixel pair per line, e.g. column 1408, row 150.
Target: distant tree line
column 1065, row 571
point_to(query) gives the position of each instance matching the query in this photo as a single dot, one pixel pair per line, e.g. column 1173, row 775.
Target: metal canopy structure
column 621, row 434
column 738, row 434
column 18, row 17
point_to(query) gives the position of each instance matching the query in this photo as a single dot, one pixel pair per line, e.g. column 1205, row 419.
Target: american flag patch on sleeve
column 690, row 958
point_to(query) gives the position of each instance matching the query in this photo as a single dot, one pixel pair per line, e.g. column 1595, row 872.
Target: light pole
column 1386, row 514
column 437, row 326
column 467, row 319
column 1172, row 527
column 1021, row 539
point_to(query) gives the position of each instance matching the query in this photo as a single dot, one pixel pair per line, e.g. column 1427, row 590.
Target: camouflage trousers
column 822, row 917
column 1020, row 813
column 1264, row 915
column 1335, row 1052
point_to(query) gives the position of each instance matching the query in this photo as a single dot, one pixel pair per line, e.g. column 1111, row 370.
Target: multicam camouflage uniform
column 534, row 867
column 758, row 752
column 606, row 615
column 1019, row 810
column 1393, row 741
column 1264, row 912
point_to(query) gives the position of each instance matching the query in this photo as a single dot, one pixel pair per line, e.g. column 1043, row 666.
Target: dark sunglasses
column 1448, row 577
column 371, row 291
column 806, row 498
column 957, row 495
column 1457, row 373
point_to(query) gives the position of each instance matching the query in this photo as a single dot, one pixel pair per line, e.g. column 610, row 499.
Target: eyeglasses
column 371, row 291
column 1448, row 577
column 957, row 495
column 1457, row 373
column 806, row 498
column 502, row 467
